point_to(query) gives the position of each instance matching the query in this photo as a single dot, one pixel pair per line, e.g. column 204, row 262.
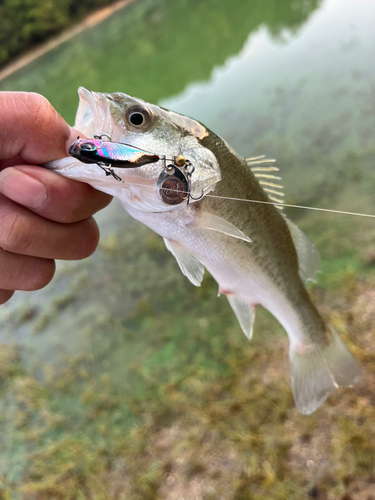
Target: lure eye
column 88, row 146
column 138, row 117
column 173, row 187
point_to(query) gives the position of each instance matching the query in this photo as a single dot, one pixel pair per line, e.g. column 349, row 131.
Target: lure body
column 115, row 154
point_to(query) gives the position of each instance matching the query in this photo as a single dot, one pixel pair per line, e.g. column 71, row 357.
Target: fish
column 252, row 250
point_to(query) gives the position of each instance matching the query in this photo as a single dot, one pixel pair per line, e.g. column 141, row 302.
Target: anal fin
column 244, row 311
column 190, row 266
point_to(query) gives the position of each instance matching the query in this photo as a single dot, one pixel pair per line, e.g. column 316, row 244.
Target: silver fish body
column 254, row 253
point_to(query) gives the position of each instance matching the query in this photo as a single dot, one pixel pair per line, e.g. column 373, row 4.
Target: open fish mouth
column 137, row 185
column 160, row 133
column 93, row 114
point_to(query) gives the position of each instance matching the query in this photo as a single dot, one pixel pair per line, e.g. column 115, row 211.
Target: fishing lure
column 106, row 154
column 174, row 183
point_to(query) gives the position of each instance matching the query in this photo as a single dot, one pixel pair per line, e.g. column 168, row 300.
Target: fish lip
column 93, row 114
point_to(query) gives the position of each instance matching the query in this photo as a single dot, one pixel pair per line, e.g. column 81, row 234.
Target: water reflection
column 154, row 49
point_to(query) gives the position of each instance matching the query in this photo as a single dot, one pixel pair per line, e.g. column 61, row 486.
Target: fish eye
column 138, row 117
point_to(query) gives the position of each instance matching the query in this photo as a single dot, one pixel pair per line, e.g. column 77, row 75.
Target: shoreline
column 88, row 22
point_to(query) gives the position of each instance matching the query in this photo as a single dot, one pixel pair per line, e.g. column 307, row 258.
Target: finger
column 5, row 295
column 21, row 272
column 23, row 232
column 32, row 128
column 51, row 195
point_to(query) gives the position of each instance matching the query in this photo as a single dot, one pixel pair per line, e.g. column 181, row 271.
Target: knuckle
column 41, row 111
column 16, row 233
column 37, row 104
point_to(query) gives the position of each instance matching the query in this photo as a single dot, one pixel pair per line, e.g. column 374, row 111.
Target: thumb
column 32, row 129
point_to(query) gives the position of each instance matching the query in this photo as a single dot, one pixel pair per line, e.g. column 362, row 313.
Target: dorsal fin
column 263, row 169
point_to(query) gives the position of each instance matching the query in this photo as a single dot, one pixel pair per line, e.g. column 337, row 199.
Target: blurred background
column 121, row 380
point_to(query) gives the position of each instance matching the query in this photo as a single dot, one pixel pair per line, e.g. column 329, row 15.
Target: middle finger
column 51, row 195
column 24, row 232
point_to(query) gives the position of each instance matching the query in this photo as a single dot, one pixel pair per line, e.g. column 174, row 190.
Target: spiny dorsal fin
column 262, row 168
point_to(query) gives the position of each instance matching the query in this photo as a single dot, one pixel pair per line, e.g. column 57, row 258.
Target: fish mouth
column 93, row 114
column 95, row 118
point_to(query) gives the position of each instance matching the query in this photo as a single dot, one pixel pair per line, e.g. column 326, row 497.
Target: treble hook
column 109, row 171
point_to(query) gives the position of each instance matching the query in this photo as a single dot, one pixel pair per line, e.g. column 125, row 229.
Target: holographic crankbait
column 106, row 154
column 173, row 184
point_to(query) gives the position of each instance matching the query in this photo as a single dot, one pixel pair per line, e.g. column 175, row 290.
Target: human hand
column 43, row 216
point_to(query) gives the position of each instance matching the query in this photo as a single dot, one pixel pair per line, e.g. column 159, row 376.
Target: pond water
column 294, row 80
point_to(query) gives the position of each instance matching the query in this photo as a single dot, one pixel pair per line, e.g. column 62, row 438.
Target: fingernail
column 22, row 188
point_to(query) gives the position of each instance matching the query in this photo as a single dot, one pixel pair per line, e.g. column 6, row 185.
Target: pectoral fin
column 245, row 313
column 215, row 223
column 189, row 264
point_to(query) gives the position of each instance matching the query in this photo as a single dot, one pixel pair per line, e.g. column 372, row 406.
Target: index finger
column 32, row 129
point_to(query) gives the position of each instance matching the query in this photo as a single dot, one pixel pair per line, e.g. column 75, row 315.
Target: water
column 292, row 79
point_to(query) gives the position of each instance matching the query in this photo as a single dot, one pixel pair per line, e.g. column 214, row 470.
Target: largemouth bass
column 256, row 255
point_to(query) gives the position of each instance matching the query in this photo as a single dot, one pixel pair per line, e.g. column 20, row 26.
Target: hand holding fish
column 43, row 216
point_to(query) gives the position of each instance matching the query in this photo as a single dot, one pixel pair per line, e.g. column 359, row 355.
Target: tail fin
column 316, row 370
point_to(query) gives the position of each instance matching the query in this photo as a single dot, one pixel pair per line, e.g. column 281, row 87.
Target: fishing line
column 281, row 204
